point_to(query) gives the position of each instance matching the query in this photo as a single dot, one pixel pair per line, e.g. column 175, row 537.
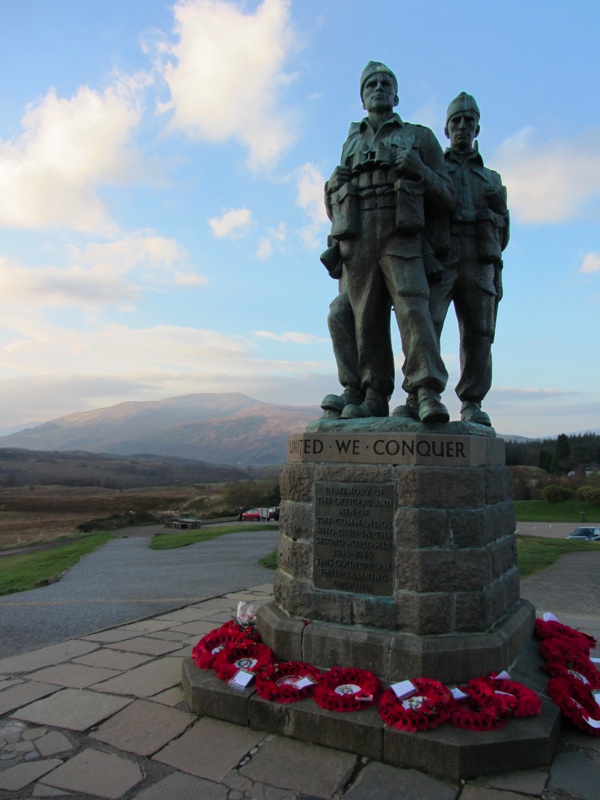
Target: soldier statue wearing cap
column 383, row 200
column 472, row 278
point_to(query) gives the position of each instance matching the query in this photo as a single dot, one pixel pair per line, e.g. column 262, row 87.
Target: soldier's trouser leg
column 475, row 367
column 423, row 366
column 340, row 322
column 371, row 306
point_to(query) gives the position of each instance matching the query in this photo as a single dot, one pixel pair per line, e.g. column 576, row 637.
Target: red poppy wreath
column 287, row 681
column 346, row 689
column 552, row 629
column 251, row 657
column 209, row 646
column 521, row 701
column 430, row 705
column 577, row 702
column 563, row 660
column 483, row 709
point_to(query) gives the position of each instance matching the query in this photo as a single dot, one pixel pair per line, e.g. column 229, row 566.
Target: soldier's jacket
column 371, row 156
column 481, row 206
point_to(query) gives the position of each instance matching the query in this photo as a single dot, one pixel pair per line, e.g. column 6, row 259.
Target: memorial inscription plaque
column 354, row 534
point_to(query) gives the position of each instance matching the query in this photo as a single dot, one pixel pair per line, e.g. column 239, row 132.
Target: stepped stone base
column 393, row 655
column 447, row 752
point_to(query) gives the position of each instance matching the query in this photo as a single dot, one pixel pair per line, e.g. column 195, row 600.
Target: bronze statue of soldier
column 383, row 198
column 472, row 278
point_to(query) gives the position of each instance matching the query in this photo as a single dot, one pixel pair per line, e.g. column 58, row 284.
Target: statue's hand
column 339, row 177
column 409, row 165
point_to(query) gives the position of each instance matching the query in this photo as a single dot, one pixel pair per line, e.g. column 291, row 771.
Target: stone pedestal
column 397, row 548
column 396, row 555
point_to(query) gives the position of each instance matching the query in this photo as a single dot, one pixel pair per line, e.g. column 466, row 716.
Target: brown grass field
column 44, row 513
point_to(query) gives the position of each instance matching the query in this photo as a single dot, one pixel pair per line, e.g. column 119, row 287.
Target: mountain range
column 224, row 428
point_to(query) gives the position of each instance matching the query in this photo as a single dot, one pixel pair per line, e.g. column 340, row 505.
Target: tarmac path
column 124, row 580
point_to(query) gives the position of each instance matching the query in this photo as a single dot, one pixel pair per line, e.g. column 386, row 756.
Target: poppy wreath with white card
column 521, row 701
column 577, row 702
column 347, row 689
column 429, row 705
column 483, row 709
column 287, row 681
column 563, row 660
column 552, row 629
column 209, row 646
column 249, row 656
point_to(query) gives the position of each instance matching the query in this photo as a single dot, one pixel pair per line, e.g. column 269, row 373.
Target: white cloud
column 226, row 75
column 550, row 181
column 99, row 274
column 276, row 236
column 291, row 336
column 310, row 198
column 233, row 223
column 68, row 148
column 591, row 263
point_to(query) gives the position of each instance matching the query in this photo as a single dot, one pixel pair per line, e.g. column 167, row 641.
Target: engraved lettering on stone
column 353, row 548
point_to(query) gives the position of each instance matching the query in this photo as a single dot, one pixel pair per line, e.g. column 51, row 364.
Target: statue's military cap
column 463, row 102
column 371, row 68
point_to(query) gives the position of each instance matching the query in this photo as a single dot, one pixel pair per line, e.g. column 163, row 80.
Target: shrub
column 589, row 494
column 557, row 494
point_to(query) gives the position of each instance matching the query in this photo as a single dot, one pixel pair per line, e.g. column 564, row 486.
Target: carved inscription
column 353, row 549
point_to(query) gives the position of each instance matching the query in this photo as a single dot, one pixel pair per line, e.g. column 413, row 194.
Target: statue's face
column 379, row 92
column 461, row 130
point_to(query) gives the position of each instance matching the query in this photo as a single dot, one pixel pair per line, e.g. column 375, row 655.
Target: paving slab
column 74, row 709
column 483, row 793
column 189, row 614
column 180, row 786
column 576, row 774
column 172, row 697
column 170, row 636
column 146, row 625
column 15, row 778
column 46, row 656
column 210, row 749
column 146, row 680
column 530, row 781
column 53, row 743
column 198, row 628
column 74, row 676
column 146, row 645
column 41, row 790
column 108, row 658
column 143, row 727
column 112, row 635
column 300, row 766
column 24, row 693
column 7, row 682
column 381, row 782
column 96, row 773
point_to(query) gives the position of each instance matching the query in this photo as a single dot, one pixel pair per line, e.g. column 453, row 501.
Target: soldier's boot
column 431, row 408
column 374, row 405
column 471, row 412
column 410, row 410
column 334, row 404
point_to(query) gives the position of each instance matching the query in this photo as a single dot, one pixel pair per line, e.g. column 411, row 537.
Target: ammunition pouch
column 410, row 205
column 344, row 210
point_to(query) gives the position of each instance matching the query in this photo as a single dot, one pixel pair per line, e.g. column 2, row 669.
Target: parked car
column 273, row 513
column 585, row 534
column 252, row 514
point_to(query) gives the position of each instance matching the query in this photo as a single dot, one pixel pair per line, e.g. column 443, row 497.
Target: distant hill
column 19, row 467
column 225, row 428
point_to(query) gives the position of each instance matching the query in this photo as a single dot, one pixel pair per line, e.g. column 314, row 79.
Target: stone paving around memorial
column 103, row 716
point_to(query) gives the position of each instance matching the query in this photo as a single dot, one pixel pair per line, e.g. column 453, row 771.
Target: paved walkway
column 103, row 716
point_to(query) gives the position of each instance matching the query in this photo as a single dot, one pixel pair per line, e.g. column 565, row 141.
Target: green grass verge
column 535, row 553
column 270, row 561
column 30, row 570
column 567, row 511
column 169, row 541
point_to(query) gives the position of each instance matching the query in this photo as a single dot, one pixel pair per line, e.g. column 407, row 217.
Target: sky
column 161, row 194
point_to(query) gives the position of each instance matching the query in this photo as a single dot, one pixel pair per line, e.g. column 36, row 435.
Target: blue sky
column 161, row 172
